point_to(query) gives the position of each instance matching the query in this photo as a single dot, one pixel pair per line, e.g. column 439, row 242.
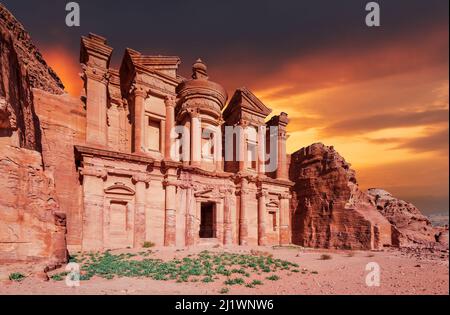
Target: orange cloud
column 66, row 66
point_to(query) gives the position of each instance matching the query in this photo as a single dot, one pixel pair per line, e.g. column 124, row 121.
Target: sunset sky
column 379, row 95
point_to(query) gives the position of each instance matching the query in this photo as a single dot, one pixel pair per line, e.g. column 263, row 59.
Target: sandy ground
column 345, row 273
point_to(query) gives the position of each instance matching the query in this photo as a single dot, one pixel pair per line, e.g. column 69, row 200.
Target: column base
column 284, row 236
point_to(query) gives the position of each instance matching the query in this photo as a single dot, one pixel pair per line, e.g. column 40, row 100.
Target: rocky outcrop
column 22, row 68
column 410, row 226
column 329, row 210
column 32, row 227
column 39, row 74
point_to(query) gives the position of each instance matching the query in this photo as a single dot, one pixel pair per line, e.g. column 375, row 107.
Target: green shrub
column 224, row 291
column 273, row 278
column 257, row 282
column 16, row 276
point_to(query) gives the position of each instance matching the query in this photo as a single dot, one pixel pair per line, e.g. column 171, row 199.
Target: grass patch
column 204, row 267
column 235, row 281
column 273, row 278
column 224, row 291
column 59, row 276
column 16, row 276
column 257, row 282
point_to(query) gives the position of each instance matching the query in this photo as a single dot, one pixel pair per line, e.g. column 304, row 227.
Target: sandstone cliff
column 32, row 228
column 329, row 210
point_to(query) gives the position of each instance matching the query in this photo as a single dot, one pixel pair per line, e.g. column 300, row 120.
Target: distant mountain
column 439, row 219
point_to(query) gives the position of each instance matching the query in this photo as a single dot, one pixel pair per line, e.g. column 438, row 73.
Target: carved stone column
column 243, row 224
column 227, row 226
column 198, row 214
column 282, row 169
column 282, row 160
column 95, row 56
column 141, row 180
column 170, row 124
column 261, row 157
column 243, row 152
column 190, row 216
column 196, row 139
column 218, row 148
column 93, row 194
column 262, row 197
column 140, row 94
column 170, row 227
column 284, row 219
column 219, row 221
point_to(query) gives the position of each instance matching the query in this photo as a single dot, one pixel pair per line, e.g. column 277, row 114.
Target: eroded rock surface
column 411, row 227
column 32, row 228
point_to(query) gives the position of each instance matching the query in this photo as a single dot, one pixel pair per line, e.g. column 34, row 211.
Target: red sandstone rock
column 31, row 227
column 442, row 236
column 39, row 74
column 329, row 210
column 411, row 228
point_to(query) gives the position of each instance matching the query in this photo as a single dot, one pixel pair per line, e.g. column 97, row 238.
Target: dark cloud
column 371, row 123
column 266, row 32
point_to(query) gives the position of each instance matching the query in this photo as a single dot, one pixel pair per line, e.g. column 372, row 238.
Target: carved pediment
column 244, row 101
column 273, row 204
column 119, row 189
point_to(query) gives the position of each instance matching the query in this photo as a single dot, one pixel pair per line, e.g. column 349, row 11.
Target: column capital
column 139, row 90
column 170, row 101
column 141, row 178
column 244, row 123
column 96, row 74
column 194, row 113
column 94, row 171
column 167, row 182
column 263, row 193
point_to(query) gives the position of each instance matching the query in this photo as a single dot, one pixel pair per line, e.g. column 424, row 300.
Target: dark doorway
column 207, row 221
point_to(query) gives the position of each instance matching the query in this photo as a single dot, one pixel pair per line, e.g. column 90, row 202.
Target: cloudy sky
column 379, row 95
